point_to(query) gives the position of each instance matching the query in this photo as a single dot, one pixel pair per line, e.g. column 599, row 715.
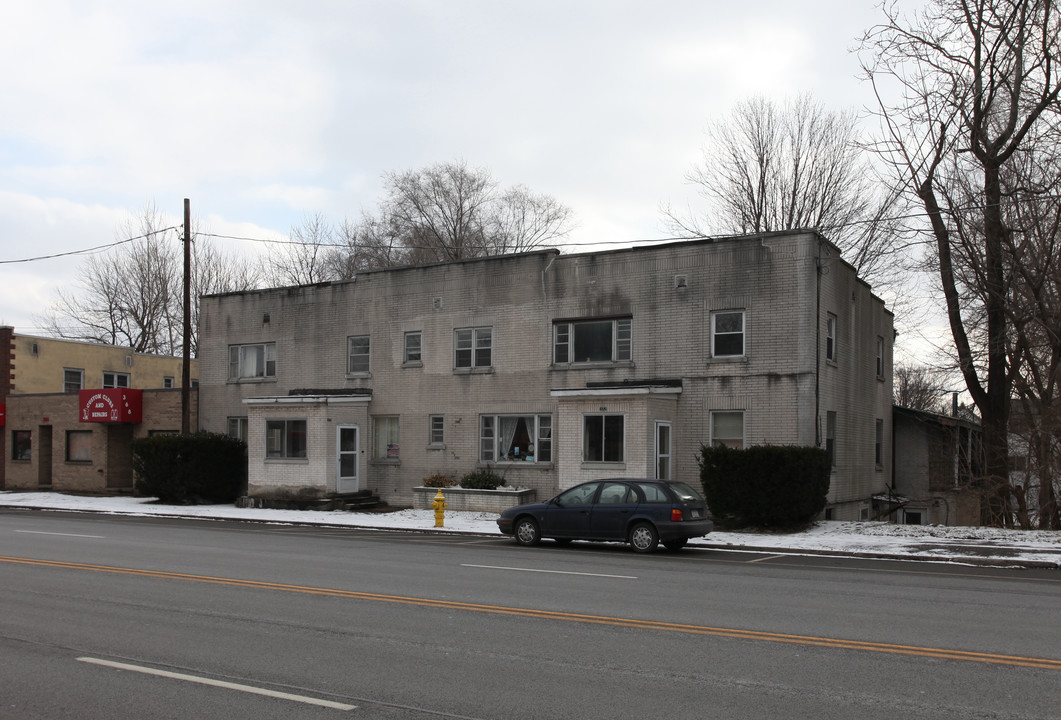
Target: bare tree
column 309, row 257
column 449, row 211
column 919, row 387
column 132, row 295
column 974, row 84
column 769, row 167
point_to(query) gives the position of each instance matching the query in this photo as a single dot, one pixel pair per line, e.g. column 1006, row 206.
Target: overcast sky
column 263, row 112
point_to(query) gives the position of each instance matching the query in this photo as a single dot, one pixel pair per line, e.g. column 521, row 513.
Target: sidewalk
column 971, row 546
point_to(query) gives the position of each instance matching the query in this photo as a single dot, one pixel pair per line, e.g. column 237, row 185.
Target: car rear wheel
column 676, row 544
column 643, row 537
column 527, row 531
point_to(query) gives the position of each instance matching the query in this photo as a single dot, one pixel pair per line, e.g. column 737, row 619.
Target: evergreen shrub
column 187, row 469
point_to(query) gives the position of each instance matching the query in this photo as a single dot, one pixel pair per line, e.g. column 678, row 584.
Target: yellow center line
column 633, row 623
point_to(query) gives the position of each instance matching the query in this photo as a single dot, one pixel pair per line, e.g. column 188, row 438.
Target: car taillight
column 675, row 515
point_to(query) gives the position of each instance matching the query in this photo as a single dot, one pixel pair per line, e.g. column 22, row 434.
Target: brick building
column 40, row 382
column 555, row 368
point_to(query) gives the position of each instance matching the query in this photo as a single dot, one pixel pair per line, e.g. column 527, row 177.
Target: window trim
column 114, row 379
column 743, row 428
column 289, row 429
column 541, row 420
column 622, row 340
column 363, row 358
column 473, row 345
column 715, row 314
column 410, row 357
column 604, row 459
column 236, row 356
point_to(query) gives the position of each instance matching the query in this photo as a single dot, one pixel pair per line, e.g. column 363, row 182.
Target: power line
column 89, row 251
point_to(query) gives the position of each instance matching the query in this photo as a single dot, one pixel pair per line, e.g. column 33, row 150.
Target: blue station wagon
column 640, row 512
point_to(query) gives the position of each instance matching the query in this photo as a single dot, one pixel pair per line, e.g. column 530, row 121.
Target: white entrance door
column 348, row 446
column 663, row 469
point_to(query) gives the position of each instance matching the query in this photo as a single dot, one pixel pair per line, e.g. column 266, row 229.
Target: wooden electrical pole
column 186, row 373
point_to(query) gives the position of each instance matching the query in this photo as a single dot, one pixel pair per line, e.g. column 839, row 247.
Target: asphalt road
column 117, row 617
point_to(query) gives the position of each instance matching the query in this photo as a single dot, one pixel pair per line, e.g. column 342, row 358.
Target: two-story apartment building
column 47, row 441
column 555, row 368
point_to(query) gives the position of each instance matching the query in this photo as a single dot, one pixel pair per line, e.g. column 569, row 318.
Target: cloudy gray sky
column 263, row 112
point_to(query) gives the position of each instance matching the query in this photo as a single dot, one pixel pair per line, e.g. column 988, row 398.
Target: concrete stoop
column 361, row 501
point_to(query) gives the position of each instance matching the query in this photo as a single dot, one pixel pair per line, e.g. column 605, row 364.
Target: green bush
column 765, row 485
column 186, row 469
column 439, row 480
column 482, row 480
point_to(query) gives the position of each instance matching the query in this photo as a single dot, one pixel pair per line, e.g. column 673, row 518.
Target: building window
column 115, row 380
column 516, row 438
column 167, row 381
column 357, row 354
column 413, row 344
column 727, row 428
column 830, row 337
column 79, row 446
column 878, row 445
column 73, row 380
column 830, row 436
column 285, row 438
column 237, row 428
column 436, row 433
column 21, row 444
column 589, row 341
column 251, row 361
column 727, row 334
column 385, row 437
column 603, row 438
column 880, row 358
column 473, row 347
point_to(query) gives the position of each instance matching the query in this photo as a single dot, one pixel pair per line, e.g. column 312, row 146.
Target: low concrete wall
column 458, row 498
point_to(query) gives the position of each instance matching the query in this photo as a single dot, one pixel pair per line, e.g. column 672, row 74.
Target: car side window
column 653, row 493
column 580, row 495
column 616, row 494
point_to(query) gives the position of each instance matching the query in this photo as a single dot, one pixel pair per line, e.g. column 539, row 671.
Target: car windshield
column 685, row 492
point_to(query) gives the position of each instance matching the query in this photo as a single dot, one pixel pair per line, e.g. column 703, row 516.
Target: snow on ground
column 954, row 544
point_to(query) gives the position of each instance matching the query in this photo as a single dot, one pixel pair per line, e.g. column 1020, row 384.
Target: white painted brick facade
column 783, row 383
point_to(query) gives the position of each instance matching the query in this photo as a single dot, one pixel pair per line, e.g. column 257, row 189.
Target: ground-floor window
column 21, row 444
column 516, row 438
column 727, row 428
column 285, row 438
column 603, row 438
column 79, row 446
column 237, row 428
column 385, row 444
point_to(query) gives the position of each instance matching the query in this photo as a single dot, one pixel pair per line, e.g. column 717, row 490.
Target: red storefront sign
column 113, row 405
column 1, row 414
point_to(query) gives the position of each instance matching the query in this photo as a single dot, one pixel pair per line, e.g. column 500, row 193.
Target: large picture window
column 727, row 334
column 587, row 341
column 385, row 438
column 727, row 428
column 251, row 361
column 357, row 354
column 285, row 438
column 603, row 438
column 473, row 347
column 516, row 438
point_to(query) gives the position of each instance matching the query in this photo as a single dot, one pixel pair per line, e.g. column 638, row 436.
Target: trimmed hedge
column 765, row 485
column 188, row 469
column 482, row 480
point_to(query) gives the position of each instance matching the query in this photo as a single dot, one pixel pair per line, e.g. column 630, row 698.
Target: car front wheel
column 527, row 531
column 643, row 537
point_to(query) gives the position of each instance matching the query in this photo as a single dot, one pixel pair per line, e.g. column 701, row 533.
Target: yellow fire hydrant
column 440, row 505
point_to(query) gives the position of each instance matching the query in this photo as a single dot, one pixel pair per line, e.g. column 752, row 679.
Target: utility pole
column 186, row 373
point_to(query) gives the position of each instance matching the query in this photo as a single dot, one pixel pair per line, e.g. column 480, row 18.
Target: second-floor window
column 585, row 341
column 413, row 343
column 72, row 380
column 251, row 361
column 115, row 380
column 830, row 337
column 357, row 354
column 727, row 334
column 473, row 347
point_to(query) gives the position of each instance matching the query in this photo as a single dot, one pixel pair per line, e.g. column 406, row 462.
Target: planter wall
column 459, row 498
